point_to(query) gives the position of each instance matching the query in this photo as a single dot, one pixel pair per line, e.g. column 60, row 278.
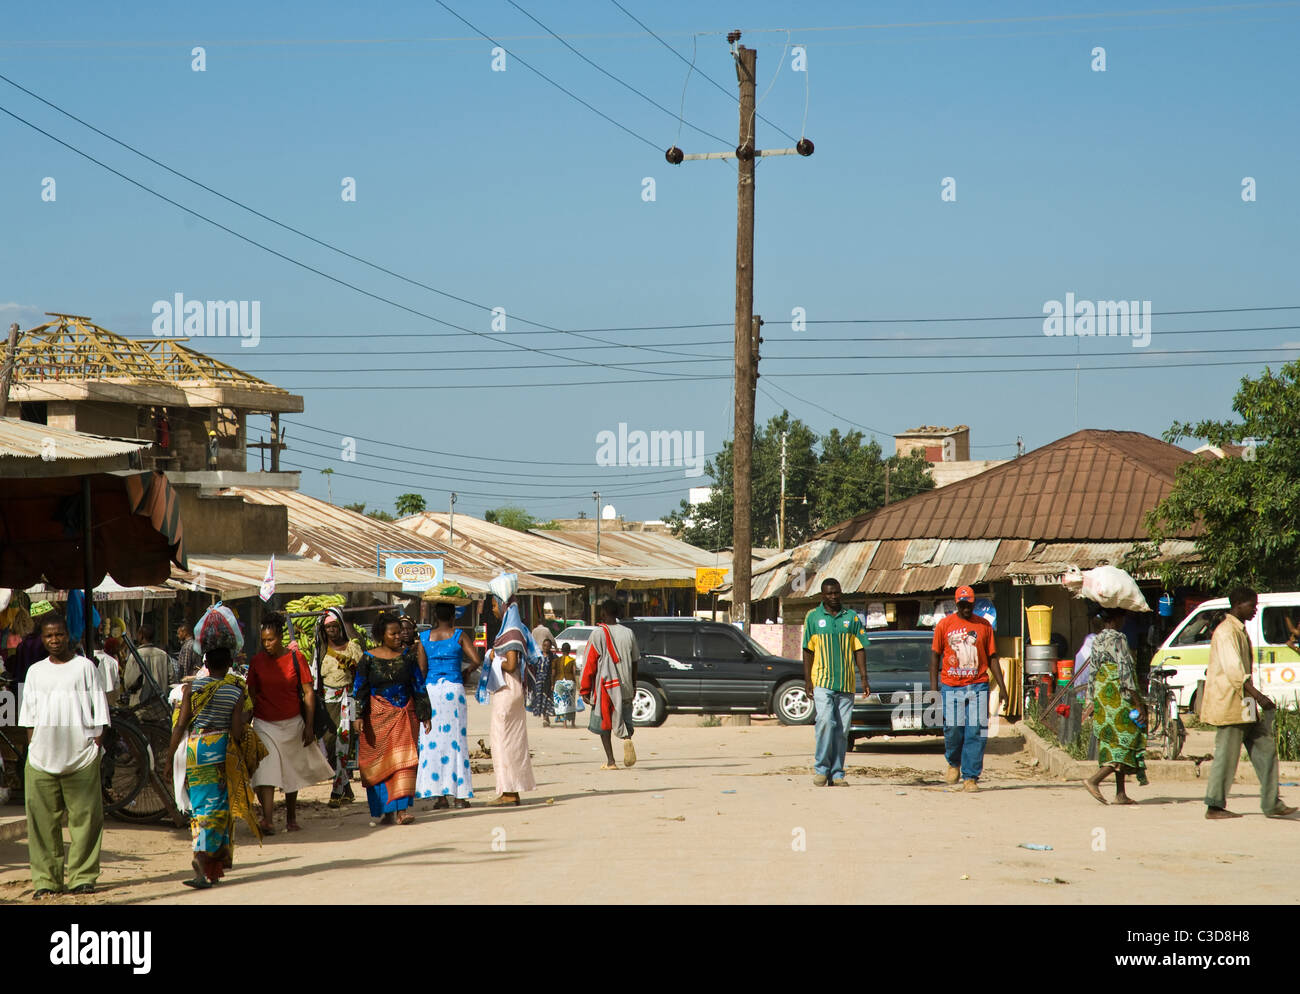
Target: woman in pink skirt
column 507, row 658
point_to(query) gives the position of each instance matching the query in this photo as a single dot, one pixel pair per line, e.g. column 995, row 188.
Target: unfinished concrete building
column 71, row 373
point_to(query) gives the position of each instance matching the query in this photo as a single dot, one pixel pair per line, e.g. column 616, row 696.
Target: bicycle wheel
column 124, row 767
column 1175, row 736
column 149, row 804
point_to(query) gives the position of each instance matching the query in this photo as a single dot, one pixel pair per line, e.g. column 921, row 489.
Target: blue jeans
column 965, row 727
column 834, row 715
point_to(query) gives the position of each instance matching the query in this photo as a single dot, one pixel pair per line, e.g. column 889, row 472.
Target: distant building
column 946, row 449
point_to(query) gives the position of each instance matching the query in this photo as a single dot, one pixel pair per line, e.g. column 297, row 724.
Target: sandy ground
column 729, row 814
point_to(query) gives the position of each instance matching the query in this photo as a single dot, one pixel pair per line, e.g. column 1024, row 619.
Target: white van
column 1277, row 667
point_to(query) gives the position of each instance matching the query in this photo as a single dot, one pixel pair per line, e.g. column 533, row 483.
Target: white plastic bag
column 1111, row 587
column 1073, row 580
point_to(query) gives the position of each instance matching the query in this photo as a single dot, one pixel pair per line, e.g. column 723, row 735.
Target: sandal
column 609, row 766
column 406, row 818
column 460, row 802
column 292, row 826
column 440, row 803
column 198, row 883
column 265, row 828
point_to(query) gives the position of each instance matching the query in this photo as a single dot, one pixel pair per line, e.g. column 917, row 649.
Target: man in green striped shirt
column 834, row 642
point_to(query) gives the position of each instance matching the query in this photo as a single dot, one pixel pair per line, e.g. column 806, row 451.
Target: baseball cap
column 965, row 594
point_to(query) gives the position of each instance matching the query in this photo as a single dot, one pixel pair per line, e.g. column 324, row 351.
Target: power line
column 620, row 82
column 826, row 410
column 947, row 371
column 287, row 227
column 492, row 495
column 290, row 259
column 572, row 479
column 710, row 79
column 1040, row 316
column 439, row 452
column 567, row 92
column 521, row 385
column 839, row 360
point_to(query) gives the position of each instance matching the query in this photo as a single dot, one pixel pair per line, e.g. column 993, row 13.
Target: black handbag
column 322, row 726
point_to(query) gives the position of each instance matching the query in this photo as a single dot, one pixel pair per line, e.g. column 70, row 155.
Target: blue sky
column 498, row 188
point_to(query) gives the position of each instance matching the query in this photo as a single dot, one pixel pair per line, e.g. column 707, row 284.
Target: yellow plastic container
column 1040, row 624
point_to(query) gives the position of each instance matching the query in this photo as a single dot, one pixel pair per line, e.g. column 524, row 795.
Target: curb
column 1055, row 761
column 13, row 828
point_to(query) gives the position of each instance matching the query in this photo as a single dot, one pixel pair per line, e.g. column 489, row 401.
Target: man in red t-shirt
column 964, row 650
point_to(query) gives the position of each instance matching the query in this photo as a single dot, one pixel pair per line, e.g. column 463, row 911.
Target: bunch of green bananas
column 304, row 628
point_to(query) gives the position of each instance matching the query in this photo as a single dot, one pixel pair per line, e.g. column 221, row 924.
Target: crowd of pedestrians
column 396, row 711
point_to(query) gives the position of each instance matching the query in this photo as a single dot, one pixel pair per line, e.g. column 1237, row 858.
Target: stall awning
column 233, row 577
column 135, row 527
column 109, row 590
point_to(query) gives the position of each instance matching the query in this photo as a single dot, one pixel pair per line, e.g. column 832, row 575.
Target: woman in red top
column 293, row 760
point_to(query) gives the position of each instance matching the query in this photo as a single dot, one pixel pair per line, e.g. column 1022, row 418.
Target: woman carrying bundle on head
column 1113, row 696
column 511, row 651
column 390, row 700
column 444, row 770
column 220, row 750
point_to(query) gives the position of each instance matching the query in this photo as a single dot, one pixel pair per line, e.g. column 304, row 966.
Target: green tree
column 710, row 524
column 379, row 515
column 1249, row 507
column 846, row 478
column 359, row 507
column 409, row 504
column 511, row 516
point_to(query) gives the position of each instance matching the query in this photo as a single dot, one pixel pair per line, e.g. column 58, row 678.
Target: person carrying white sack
column 503, row 673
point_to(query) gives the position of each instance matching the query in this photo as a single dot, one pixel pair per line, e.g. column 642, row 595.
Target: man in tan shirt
column 1244, row 715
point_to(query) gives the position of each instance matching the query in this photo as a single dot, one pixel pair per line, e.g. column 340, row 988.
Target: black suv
column 709, row 667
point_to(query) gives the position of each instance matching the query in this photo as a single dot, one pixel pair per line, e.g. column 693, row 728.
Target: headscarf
column 335, row 615
column 514, row 636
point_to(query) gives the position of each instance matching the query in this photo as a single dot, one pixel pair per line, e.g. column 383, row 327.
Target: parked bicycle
column 138, row 771
column 1166, row 727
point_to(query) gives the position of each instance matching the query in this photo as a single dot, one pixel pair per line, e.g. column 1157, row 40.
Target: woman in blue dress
column 444, row 770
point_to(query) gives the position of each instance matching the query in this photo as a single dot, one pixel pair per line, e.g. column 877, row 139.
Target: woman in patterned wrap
column 390, row 700
column 1113, row 693
column 220, row 748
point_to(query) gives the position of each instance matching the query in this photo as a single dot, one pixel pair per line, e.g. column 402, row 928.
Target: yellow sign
column 708, row 578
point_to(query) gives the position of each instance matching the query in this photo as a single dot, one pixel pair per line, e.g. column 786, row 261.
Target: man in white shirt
column 65, row 707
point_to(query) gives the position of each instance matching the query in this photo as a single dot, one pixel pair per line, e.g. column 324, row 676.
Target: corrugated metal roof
column 1050, row 559
column 647, row 551
column 965, row 552
column 506, row 548
column 1087, row 487
column 889, row 554
column 233, row 577
column 30, row 450
column 320, row 530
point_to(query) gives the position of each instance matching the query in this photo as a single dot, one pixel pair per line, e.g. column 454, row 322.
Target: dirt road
column 727, row 814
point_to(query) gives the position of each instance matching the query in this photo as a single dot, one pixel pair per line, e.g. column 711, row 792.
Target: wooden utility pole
column 747, row 341
column 7, row 370
column 781, row 526
column 743, row 443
